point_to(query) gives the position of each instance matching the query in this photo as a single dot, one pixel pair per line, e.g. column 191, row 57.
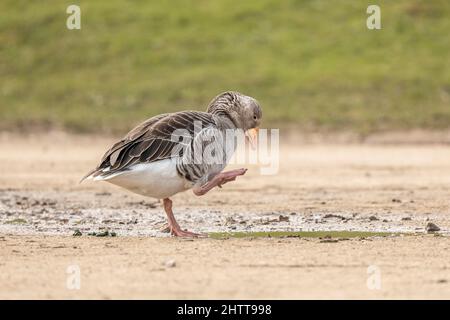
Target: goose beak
column 251, row 136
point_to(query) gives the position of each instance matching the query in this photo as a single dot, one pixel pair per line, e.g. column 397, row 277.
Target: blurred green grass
column 313, row 65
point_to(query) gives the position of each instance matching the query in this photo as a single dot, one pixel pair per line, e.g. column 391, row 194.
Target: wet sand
column 340, row 186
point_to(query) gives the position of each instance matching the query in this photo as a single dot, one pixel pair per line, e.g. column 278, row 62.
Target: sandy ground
column 368, row 187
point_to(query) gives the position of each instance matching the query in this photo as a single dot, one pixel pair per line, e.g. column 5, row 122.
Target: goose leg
column 218, row 181
column 174, row 227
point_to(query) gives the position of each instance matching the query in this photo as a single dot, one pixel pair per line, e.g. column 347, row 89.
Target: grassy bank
column 310, row 63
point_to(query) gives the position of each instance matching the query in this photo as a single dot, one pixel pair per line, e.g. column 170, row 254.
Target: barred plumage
column 149, row 142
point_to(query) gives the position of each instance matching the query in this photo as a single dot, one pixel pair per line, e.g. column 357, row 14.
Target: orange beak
column 252, row 136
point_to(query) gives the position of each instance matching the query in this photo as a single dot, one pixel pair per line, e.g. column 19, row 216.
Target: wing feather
column 150, row 141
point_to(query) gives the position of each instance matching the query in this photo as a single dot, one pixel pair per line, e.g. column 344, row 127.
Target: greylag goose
column 152, row 161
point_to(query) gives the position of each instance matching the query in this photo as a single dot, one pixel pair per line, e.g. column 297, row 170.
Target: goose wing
column 150, row 141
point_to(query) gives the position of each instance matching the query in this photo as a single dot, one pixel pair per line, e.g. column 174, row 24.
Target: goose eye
column 254, row 117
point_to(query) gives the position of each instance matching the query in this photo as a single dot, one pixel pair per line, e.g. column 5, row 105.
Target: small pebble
column 170, row 263
column 431, row 227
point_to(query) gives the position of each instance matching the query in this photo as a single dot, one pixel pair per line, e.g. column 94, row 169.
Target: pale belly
column 158, row 179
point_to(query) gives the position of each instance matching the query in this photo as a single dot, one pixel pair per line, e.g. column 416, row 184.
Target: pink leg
column 174, row 227
column 219, row 180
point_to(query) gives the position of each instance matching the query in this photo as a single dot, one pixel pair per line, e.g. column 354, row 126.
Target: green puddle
column 16, row 221
column 300, row 234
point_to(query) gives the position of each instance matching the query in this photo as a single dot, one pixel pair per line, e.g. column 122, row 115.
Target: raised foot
column 231, row 175
column 219, row 180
